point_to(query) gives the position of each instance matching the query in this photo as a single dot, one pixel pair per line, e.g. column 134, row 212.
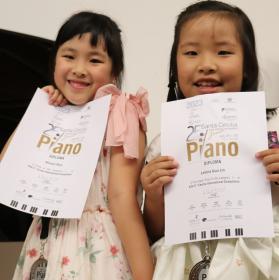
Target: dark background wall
column 24, row 61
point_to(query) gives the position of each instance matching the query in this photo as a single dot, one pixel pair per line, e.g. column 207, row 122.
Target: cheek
column 236, row 69
column 61, row 72
column 55, row 77
column 58, row 72
column 183, row 75
column 185, row 69
column 237, row 78
column 109, row 74
column 58, row 81
column 105, row 77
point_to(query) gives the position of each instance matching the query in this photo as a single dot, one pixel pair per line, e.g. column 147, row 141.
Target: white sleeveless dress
column 232, row 259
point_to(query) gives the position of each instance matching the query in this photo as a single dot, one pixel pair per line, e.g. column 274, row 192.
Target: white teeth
column 207, row 84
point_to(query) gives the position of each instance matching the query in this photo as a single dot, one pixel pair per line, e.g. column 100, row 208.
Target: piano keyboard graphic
column 215, row 234
column 33, row 209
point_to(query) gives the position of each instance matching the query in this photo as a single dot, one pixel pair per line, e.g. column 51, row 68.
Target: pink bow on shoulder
column 127, row 111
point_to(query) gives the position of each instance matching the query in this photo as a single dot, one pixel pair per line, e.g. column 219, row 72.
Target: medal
column 199, row 270
column 38, row 269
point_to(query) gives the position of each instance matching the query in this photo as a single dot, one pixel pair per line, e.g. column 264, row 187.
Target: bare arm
column 154, row 176
column 122, row 191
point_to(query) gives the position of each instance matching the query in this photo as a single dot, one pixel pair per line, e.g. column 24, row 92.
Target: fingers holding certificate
column 220, row 182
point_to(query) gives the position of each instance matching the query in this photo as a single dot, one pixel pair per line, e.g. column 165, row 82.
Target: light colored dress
column 232, row 259
column 90, row 248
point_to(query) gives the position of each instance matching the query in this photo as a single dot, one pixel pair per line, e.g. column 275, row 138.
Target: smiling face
column 209, row 56
column 80, row 69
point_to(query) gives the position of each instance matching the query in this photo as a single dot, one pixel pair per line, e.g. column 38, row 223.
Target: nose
column 207, row 65
column 79, row 69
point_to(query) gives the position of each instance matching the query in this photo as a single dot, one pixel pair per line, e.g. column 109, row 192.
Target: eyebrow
column 227, row 42
column 68, row 49
column 195, row 44
column 90, row 53
column 190, row 44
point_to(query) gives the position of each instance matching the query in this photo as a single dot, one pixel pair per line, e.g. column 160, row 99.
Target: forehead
column 212, row 26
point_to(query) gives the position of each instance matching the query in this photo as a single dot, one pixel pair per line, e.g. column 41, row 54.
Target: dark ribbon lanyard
column 45, row 227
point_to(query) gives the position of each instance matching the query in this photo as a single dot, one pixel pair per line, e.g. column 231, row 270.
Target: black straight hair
column 246, row 36
column 101, row 27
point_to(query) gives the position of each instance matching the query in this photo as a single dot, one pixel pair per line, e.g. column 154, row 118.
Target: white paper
column 49, row 165
column 221, row 190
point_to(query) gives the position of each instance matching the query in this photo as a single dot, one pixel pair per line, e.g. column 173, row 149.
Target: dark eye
column 95, row 60
column 191, row 53
column 68, row 56
column 222, row 52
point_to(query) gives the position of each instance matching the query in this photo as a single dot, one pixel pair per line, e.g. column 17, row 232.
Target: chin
column 76, row 102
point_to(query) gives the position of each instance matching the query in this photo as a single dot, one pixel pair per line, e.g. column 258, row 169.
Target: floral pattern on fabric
column 89, row 248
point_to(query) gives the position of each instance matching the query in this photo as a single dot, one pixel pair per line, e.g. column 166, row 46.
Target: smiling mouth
column 208, row 84
column 206, row 87
column 78, row 84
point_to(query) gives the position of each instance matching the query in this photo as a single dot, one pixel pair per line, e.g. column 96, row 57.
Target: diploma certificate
column 49, row 165
column 220, row 190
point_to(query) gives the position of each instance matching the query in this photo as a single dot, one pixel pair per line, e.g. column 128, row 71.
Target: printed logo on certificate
column 220, row 184
column 49, row 165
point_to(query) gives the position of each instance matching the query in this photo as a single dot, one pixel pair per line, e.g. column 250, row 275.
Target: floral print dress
column 89, row 248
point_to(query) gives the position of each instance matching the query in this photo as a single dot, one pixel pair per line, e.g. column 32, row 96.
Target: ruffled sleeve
column 127, row 114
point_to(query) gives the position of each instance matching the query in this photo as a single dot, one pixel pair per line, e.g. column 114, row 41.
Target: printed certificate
column 221, row 190
column 49, row 165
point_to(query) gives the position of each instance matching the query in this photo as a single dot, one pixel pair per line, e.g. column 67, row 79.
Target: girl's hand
column 154, row 176
column 55, row 97
column 157, row 173
column 270, row 159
